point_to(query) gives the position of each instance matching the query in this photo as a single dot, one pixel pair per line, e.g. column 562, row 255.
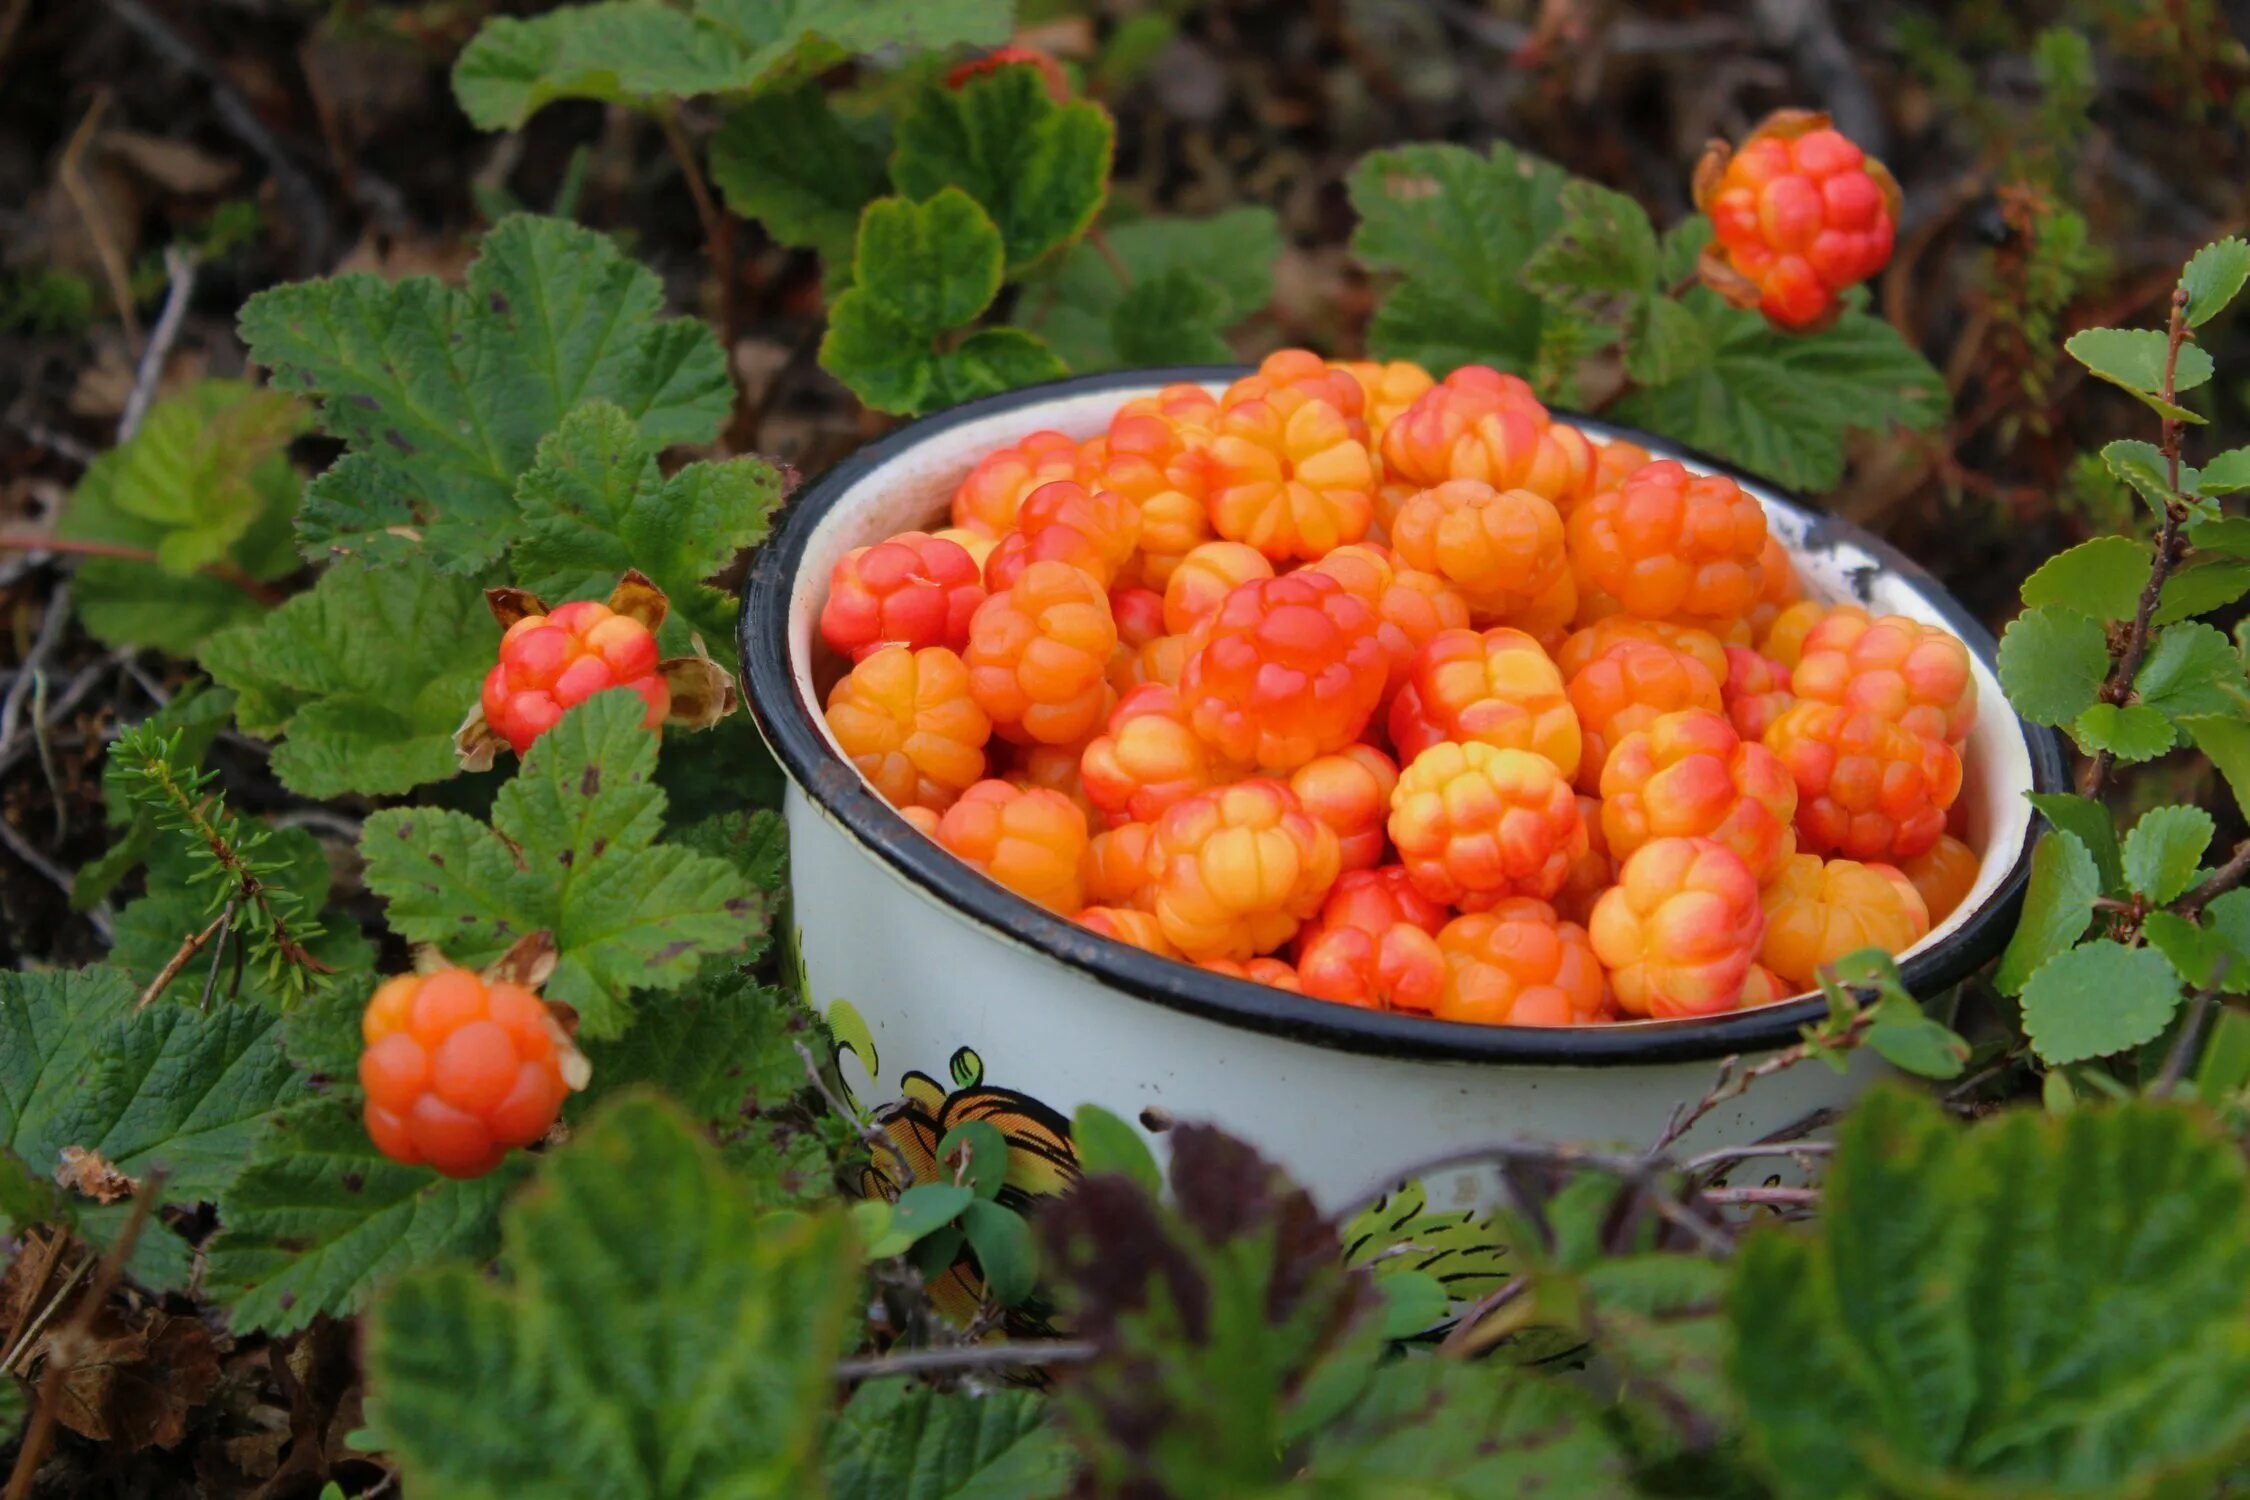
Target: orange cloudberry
column 996, row 488
column 1039, row 654
column 1239, row 868
column 1473, row 823
column 1494, row 686
column 912, row 590
column 1679, row 930
column 1798, row 214
column 1915, row 675
column 1030, row 840
column 1149, row 758
column 907, row 721
column 1350, row 791
column 1670, row 544
column 1205, row 576
column 1819, row 910
column 1290, row 668
column 1503, row 549
column 458, row 1071
column 1517, row 964
column 1628, row 686
column 1944, row 873
column 1293, row 485
column 1481, row 424
column 1866, row 789
column 1689, row 775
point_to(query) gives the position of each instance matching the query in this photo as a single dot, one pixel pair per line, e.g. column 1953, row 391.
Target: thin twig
column 1109, row 255
column 53, row 1245
column 46, row 750
column 179, row 265
column 2190, row 1039
column 874, row 1138
column 718, row 245
column 2222, row 880
column 1796, row 1196
column 218, row 956
column 224, row 572
column 97, row 916
column 43, row 645
column 38, row 1325
column 966, row 1357
column 190, row 946
column 82, row 198
column 1697, row 1164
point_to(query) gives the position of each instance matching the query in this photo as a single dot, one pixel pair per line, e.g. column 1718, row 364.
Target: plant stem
column 225, row 572
column 966, row 1357
column 2223, row 879
column 190, row 946
column 1109, row 255
column 248, row 886
column 718, row 245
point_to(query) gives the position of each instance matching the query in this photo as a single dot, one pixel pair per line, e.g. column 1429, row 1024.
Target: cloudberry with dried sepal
column 1151, row 462
column 553, row 662
column 1629, row 686
column 1374, row 944
column 1239, row 868
column 1350, row 791
column 1756, row 692
column 912, row 590
column 459, row 1071
column 906, row 719
column 1039, row 654
column 1591, row 873
column 1944, row 873
column 1689, row 775
column 1915, row 675
column 1473, row 824
column 1204, row 578
column 1149, row 758
column 1798, row 214
column 1669, row 544
column 1094, row 531
column 1127, row 925
column 1290, row 668
column 1517, row 964
column 1120, row 867
column 1819, row 910
column 1784, row 639
column 1295, row 484
column 1495, row 687
column 1287, row 378
column 1866, row 789
column 1273, row 973
column 996, row 488
column 1679, row 930
column 1589, row 641
column 1410, row 606
column 1390, row 389
column 1503, row 549
column 1480, row 424
column 1031, row 840
column 1780, row 589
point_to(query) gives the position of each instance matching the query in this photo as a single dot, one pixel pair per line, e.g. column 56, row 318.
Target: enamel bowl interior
column 909, row 484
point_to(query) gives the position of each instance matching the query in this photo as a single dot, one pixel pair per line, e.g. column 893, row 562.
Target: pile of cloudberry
column 1400, row 693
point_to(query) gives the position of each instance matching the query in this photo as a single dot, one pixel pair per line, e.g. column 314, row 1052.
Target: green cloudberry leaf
column 2225, row 738
column 2164, row 850
column 895, row 1438
column 788, row 160
column 887, row 362
column 919, row 270
column 992, row 360
column 196, row 713
column 2213, row 276
column 2133, row 359
column 571, row 850
column 205, row 482
column 2200, row 588
column 2057, row 905
column 1077, row 308
column 2191, row 669
column 1605, row 248
column 363, row 678
column 1930, row 1335
column 2142, row 466
column 2088, row 821
column 1038, row 168
column 1665, row 342
column 1781, row 404
column 1172, row 319
column 2098, row 998
column 2226, row 474
column 442, row 394
column 317, row 1218
column 2102, row 578
column 1449, row 1427
column 2133, row 733
column 656, row 1333
column 2053, row 661
column 595, row 504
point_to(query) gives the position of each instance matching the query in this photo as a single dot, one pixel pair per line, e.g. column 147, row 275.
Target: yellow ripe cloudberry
column 1496, row 687
column 1517, row 964
column 1819, row 910
column 1866, row 789
column 1669, row 544
column 1679, row 930
column 1350, row 791
column 1374, row 944
column 1188, row 409
column 1798, row 214
column 1480, row 424
column 1120, row 867
column 1205, row 576
column 553, row 662
column 1474, row 824
column 1130, row 926
column 912, row 590
column 1151, row 462
column 1290, row 668
column 1915, row 675
column 1944, row 873
column 1039, row 655
column 1589, row 641
column 1784, row 639
column 1239, row 868
column 1149, row 758
column 1689, row 775
column 1294, row 485
column 1502, row 549
column 1031, row 840
column 1628, row 686
column 1390, row 389
column 459, row 1071
column 1410, row 606
column 906, row 719
column 1287, row 378
column 1755, row 692
column 996, row 488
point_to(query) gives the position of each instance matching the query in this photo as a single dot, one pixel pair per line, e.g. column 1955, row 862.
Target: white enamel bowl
column 997, row 1004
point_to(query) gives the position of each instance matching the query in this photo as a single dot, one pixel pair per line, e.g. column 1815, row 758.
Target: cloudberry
column 913, row 590
column 1374, row 944
column 989, row 498
column 1817, row 911
column 1591, row 873
column 1669, row 544
column 1127, row 925
column 1063, row 521
column 1030, row 840
column 459, row 1071
column 1390, row 389
column 1473, row 823
column 1148, row 758
column 1590, row 641
column 1273, row 973
column 1188, row 409
column 1120, row 867
column 1866, row 789
column 1350, row 791
column 1205, row 576
column 1480, row 424
column 1784, row 639
column 1290, row 669
column 1679, row 930
column 1056, row 768
column 553, row 662
column 1689, row 775
column 1287, row 378
column 1616, row 461
column 1150, row 461
column 1292, row 486
column 1518, row 965
column 1239, row 868
column 1503, row 549
column 1755, row 692
column 975, row 543
column 1944, row 873
column 1627, row 687
column 1139, row 616
column 1798, row 214
column 1762, row 986
column 1915, row 675
column 906, row 719
column 1410, row 606
column 1039, row 655
column 1496, row 687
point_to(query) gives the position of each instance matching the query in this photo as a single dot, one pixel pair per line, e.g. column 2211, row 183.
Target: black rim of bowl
column 839, row 791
